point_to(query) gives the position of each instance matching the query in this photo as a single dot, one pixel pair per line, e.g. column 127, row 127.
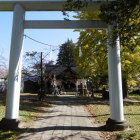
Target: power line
column 46, row 55
column 39, row 41
column 52, row 50
column 49, row 53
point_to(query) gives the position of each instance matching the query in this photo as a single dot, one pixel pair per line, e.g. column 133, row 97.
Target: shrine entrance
column 19, row 7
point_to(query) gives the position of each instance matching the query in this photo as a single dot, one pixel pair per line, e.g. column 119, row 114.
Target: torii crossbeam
column 46, row 5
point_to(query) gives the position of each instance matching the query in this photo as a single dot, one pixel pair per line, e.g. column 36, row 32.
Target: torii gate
column 19, row 7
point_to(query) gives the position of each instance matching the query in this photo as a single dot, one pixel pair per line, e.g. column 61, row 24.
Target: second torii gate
column 116, row 120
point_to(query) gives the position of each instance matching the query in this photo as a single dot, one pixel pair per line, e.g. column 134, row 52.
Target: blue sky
column 54, row 37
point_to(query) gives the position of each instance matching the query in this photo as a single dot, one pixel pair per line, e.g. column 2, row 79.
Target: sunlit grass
column 100, row 111
column 132, row 115
column 9, row 135
column 2, row 111
column 30, row 109
column 134, row 96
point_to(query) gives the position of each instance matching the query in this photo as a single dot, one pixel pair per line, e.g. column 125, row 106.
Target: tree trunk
column 92, row 92
column 125, row 88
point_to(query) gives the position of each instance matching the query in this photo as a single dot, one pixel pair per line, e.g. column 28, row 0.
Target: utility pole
column 41, row 74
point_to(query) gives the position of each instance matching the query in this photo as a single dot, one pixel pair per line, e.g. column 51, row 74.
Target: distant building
column 30, row 84
column 66, row 78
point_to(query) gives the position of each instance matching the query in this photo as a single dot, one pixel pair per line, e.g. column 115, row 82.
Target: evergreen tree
column 65, row 56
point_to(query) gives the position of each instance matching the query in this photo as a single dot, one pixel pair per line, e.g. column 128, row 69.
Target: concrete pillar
column 15, row 67
column 116, row 119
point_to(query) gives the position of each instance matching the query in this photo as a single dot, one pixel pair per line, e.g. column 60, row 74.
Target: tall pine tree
column 65, row 56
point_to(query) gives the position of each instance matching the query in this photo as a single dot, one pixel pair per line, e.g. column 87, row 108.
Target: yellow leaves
column 130, row 63
column 127, row 62
column 89, row 15
column 94, row 52
column 132, row 82
column 86, row 46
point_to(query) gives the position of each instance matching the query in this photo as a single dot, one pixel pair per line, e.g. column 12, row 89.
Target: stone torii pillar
column 116, row 120
column 15, row 66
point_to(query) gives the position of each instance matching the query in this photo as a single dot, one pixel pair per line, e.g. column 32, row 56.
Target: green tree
column 65, row 56
column 94, row 54
column 126, row 14
column 92, row 42
column 130, row 66
column 123, row 12
column 93, row 61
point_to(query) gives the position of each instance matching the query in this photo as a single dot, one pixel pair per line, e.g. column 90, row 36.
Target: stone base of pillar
column 9, row 124
column 116, row 125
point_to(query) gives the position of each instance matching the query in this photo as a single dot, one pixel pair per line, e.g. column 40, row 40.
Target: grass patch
column 9, row 135
column 132, row 115
column 30, row 109
column 100, row 111
column 126, row 136
column 2, row 106
column 134, row 96
column 2, row 111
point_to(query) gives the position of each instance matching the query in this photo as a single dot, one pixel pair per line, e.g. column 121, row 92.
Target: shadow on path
column 80, row 128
